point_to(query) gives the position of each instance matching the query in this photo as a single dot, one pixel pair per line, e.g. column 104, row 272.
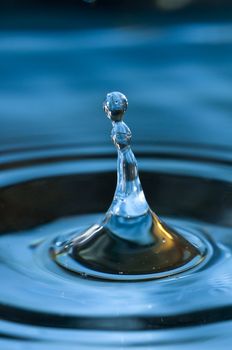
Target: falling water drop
column 131, row 242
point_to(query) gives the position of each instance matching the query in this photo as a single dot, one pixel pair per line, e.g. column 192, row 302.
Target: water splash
column 72, row 310
column 130, row 242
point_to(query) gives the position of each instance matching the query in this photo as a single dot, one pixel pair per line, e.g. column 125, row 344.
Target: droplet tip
column 115, row 106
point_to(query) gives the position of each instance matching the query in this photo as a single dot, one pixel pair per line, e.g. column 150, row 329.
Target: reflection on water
column 177, row 77
column 43, row 305
column 178, row 80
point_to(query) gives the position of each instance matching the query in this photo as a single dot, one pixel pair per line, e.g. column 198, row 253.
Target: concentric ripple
column 44, row 305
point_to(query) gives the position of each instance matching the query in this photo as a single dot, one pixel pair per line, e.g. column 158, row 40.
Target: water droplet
column 130, row 242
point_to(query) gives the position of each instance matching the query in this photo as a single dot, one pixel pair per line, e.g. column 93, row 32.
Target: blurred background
column 172, row 58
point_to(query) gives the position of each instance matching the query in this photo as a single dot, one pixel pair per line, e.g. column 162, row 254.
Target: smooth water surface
column 177, row 78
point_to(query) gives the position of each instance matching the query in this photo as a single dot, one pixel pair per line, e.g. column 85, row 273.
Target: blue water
column 57, row 166
column 177, row 78
column 45, row 306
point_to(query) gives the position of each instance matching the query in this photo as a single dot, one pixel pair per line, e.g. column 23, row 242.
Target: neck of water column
column 129, row 200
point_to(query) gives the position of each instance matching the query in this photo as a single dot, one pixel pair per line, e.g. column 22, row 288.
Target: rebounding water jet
column 131, row 242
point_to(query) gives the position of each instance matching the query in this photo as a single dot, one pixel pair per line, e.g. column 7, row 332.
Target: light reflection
column 172, row 4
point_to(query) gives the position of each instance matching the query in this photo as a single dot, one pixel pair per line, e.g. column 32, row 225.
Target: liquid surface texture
column 130, row 242
column 53, row 304
column 59, row 173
